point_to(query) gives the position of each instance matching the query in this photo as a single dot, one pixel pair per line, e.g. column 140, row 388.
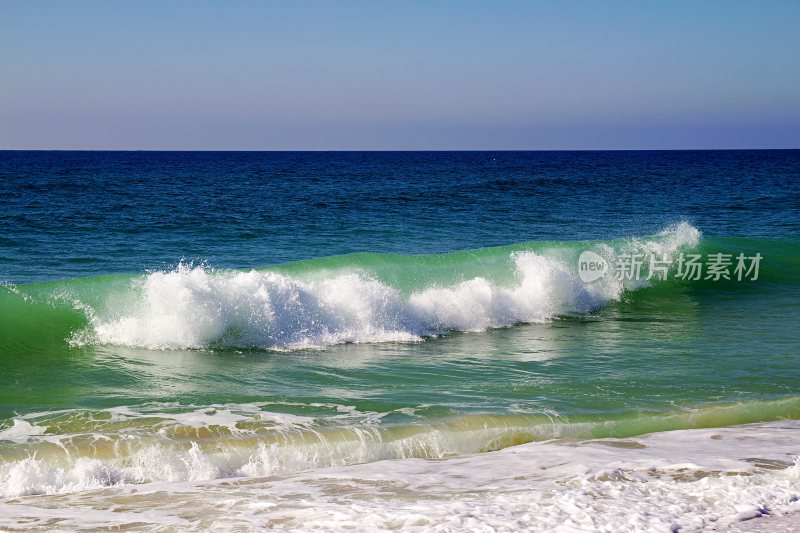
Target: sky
column 406, row 75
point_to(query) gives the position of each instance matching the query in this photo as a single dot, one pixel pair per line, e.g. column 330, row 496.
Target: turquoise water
column 337, row 309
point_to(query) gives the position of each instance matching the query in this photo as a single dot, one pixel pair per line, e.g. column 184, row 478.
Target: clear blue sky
column 399, row 75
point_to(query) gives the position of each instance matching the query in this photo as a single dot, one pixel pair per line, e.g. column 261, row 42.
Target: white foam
column 194, row 307
column 681, row 480
column 21, row 430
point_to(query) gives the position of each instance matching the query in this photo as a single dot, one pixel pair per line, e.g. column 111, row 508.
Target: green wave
column 46, row 315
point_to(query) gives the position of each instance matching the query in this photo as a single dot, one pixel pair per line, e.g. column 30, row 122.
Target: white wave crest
column 194, row 307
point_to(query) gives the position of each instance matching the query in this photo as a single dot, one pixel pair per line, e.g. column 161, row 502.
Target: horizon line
column 399, row 150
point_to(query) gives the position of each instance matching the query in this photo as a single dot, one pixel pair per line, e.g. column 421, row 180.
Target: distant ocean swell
column 361, row 298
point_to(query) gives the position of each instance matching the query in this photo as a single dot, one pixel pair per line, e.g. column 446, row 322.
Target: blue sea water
column 69, row 214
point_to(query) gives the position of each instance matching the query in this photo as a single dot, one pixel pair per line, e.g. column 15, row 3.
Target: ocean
column 486, row 341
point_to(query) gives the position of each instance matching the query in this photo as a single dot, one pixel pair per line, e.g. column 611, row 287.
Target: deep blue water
column 68, row 214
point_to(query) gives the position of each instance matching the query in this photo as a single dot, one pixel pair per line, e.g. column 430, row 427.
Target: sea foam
column 681, row 480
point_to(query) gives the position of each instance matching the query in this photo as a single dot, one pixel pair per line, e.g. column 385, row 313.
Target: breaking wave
column 372, row 298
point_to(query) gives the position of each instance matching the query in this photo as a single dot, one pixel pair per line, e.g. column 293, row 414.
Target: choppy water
column 179, row 317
